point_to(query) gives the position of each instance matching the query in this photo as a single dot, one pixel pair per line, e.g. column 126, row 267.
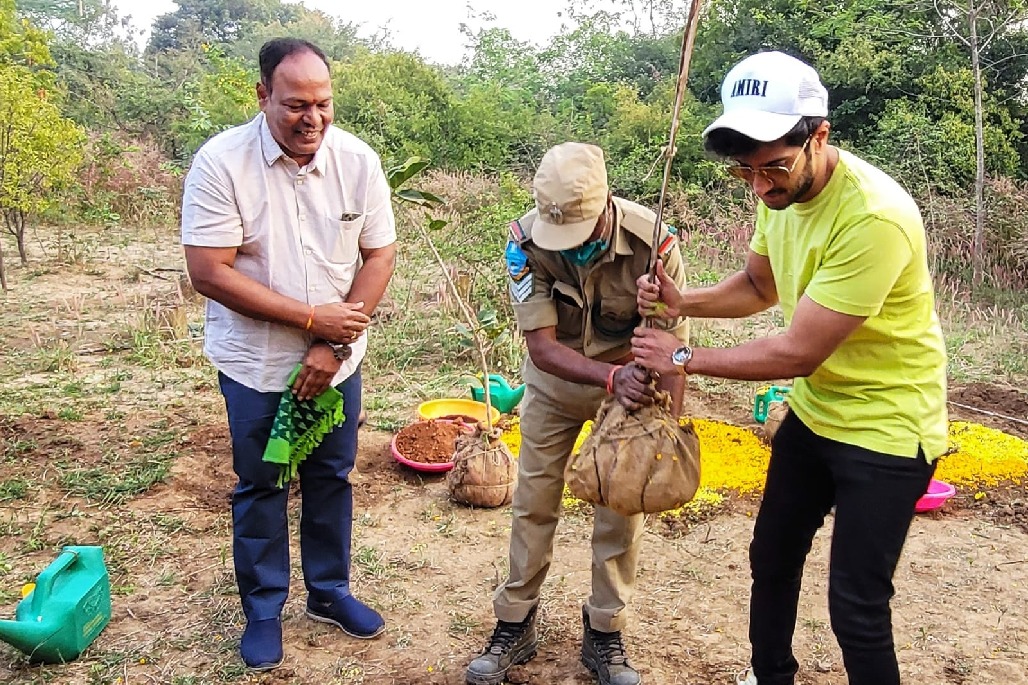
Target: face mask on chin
column 586, row 253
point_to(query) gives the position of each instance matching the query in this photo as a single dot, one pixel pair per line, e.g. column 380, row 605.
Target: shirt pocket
column 344, row 243
column 615, row 317
column 342, row 252
column 570, row 311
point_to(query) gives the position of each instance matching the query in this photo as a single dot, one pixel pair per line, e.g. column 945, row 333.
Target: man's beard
column 806, row 183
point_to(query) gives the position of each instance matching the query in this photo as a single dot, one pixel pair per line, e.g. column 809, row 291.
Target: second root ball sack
column 484, row 472
column 636, row 462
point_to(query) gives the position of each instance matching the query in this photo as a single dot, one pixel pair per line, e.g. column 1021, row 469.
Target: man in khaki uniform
column 573, row 262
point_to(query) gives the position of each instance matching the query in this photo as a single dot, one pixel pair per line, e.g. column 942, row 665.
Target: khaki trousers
column 552, row 414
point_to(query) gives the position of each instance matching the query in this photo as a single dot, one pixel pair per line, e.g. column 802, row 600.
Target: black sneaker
column 604, row 655
column 510, row 645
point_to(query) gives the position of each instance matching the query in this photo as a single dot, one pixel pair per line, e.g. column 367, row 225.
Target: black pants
column 874, row 496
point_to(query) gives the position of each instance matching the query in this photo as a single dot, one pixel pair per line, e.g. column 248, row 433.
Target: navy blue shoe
column 261, row 645
column 349, row 614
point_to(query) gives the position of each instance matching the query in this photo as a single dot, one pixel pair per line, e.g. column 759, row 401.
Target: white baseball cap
column 766, row 94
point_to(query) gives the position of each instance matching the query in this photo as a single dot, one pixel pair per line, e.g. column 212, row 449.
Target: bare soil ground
column 110, row 436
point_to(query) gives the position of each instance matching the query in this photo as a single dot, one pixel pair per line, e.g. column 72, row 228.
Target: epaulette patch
column 518, row 270
column 666, row 246
column 517, row 234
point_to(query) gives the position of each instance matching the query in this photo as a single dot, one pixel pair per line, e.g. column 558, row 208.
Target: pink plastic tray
column 938, row 492
column 420, row 465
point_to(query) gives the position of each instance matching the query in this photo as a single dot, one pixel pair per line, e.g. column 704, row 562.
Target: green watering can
column 767, row 396
column 501, row 395
column 65, row 611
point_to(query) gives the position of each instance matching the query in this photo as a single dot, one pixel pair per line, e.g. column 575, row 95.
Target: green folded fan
column 68, row 607
column 300, row 427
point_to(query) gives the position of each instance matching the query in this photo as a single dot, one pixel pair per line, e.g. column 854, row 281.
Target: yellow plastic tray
column 469, row 410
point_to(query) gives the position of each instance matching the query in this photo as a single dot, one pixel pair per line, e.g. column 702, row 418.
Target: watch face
column 681, row 356
column 342, row 351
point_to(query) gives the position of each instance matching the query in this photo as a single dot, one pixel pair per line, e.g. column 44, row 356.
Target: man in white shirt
column 288, row 230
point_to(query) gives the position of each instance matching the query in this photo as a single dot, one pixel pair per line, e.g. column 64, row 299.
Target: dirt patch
column 202, row 474
column 428, row 442
column 44, row 439
column 1006, row 505
column 991, row 397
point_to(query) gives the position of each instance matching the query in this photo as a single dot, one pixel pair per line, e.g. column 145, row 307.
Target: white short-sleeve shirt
column 298, row 231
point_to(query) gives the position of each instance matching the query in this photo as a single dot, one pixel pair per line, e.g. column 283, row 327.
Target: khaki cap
column 570, row 189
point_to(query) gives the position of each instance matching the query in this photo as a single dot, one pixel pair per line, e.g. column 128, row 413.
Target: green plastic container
column 765, row 398
column 501, row 395
column 68, row 607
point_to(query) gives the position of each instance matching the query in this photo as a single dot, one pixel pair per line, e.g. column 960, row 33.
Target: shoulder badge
column 518, row 271
column 668, row 243
column 517, row 233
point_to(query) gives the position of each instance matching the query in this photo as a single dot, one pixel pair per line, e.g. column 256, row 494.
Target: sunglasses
column 778, row 175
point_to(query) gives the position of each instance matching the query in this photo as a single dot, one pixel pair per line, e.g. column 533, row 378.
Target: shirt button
column 303, row 217
column 308, row 250
column 299, row 181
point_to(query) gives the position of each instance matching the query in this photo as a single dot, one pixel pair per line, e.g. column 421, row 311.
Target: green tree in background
column 400, row 105
column 86, row 23
column 39, row 151
column 198, row 22
column 39, row 148
column 337, row 38
column 222, row 97
column 23, row 44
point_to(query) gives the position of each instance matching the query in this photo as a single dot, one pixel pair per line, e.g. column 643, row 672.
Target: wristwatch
column 340, row 351
column 681, row 358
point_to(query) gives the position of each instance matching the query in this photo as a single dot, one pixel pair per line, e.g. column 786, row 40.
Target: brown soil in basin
column 430, row 442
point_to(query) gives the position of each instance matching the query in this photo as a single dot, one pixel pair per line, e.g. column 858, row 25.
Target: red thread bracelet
column 610, row 378
column 310, row 319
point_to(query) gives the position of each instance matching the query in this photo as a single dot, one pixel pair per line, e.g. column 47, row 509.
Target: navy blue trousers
column 260, row 531
column 874, row 496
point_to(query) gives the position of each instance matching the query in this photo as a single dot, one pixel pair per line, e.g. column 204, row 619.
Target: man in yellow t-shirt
column 841, row 247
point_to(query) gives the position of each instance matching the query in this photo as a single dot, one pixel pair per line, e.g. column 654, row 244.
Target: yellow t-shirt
column 858, row 248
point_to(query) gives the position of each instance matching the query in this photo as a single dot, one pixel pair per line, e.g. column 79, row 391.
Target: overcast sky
column 430, row 27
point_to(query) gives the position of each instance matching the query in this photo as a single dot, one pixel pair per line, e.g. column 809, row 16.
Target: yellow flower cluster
column 982, row 457
column 731, row 458
column 705, row 501
column 511, row 436
column 734, row 459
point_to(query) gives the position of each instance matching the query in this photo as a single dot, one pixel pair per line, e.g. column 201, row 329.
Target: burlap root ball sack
column 484, row 472
column 776, row 413
column 636, row 462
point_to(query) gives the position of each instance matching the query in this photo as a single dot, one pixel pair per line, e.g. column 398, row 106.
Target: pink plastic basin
column 937, row 494
column 439, row 467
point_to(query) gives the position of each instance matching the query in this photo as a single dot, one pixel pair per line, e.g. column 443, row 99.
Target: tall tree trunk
column 978, row 246
column 3, row 270
column 15, row 220
column 19, row 218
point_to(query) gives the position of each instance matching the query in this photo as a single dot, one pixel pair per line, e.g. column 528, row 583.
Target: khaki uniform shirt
column 298, row 231
column 593, row 308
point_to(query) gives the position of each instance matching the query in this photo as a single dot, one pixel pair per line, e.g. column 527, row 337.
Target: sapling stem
column 472, row 322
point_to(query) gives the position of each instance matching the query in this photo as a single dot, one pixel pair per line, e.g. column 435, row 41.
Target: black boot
column 604, row 655
column 510, row 645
